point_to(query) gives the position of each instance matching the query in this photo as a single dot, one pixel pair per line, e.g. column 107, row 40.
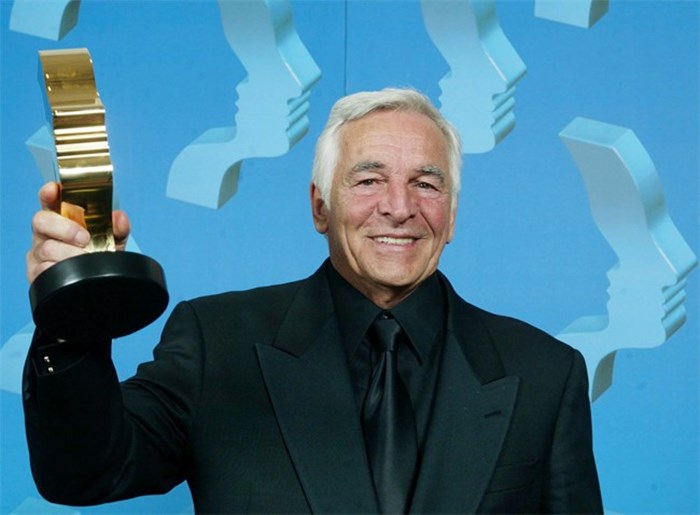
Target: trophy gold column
column 105, row 293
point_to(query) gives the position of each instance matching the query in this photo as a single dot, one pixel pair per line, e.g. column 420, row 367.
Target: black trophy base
column 98, row 295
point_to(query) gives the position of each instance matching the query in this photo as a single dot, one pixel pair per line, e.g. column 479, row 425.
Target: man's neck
column 383, row 296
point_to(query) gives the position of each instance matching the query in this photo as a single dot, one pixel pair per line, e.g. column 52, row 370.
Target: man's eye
column 426, row 186
column 368, row 182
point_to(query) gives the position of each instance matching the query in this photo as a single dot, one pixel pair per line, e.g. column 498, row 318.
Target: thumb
column 121, row 227
column 50, row 196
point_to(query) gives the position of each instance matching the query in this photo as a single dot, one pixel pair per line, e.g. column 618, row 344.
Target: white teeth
column 394, row 241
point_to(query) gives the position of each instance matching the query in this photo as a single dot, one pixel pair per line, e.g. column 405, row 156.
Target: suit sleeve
column 571, row 480
column 92, row 440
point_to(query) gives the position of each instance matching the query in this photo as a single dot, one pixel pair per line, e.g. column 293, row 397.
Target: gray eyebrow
column 435, row 171
column 363, row 166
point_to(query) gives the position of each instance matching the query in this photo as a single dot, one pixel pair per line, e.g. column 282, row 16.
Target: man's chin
column 395, row 280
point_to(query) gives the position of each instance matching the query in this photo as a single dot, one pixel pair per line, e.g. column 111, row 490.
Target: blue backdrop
column 526, row 244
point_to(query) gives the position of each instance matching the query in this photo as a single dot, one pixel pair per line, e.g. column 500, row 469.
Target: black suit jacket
column 249, row 400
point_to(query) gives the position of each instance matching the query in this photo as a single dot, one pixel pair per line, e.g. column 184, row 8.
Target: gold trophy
column 102, row 294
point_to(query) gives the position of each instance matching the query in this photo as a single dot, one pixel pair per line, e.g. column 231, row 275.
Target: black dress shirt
column 421, row 315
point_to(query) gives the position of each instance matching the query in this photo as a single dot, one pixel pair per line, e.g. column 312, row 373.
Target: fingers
column 54, row 238
column 49, row 225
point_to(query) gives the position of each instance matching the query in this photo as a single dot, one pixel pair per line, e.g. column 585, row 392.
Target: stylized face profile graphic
column 274, row 96
column 478, row 90
column 647, row 285
column 648, row 282
column 272, row 103
column 50, row 20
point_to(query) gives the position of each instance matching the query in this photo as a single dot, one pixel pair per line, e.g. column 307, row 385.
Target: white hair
column 358, row 105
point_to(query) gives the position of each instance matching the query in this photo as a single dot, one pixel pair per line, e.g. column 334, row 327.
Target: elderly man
column 368, row 387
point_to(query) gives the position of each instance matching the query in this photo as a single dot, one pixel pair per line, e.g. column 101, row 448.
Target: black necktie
column 388, row 421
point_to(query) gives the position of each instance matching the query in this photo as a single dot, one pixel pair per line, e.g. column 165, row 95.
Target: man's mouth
column 389, row 240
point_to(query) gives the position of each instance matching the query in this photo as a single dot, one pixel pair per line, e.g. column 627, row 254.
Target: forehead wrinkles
column 376, row 142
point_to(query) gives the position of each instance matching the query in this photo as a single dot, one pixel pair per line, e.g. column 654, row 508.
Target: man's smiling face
column 391, row 212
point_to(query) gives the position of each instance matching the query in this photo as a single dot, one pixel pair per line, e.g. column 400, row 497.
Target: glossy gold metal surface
column 84, row 165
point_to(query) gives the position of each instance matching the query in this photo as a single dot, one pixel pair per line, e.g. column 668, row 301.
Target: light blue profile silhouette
column 478, row 90
column 579, row 13
column 647, row 284
column 273, row 101
column 51, row 19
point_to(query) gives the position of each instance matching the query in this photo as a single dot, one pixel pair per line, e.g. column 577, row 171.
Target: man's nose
column 398, row 202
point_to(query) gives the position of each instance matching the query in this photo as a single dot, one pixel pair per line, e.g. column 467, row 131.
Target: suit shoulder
column 519, row 341
column 544, row 363
column 259, row 296
column 258, row 309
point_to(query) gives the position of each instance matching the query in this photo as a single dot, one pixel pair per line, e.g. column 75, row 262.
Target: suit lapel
column 470, row 419
column 309, row 385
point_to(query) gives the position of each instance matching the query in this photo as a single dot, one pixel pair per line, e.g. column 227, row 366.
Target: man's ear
column 319, row 210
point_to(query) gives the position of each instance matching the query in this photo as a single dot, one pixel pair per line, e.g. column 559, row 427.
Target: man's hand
column 55, row 238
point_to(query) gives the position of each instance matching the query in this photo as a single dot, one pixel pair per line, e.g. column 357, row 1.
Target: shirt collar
column 421, row 314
